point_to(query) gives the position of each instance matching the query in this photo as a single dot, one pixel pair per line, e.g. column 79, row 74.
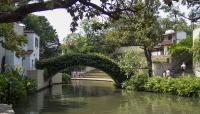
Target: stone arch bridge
column 56, row 64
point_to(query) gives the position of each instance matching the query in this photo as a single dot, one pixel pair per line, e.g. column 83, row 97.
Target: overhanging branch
column 21, row 12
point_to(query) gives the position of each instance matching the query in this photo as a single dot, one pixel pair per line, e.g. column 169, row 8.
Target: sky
column 60, row 19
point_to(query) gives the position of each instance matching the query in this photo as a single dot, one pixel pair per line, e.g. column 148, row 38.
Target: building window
column 36, row 42
column 32, row 63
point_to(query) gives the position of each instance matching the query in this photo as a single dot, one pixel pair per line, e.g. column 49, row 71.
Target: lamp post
column 183, row 68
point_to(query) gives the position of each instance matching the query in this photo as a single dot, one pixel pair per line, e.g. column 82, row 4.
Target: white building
column 170, row 37
column 196, row 64
column 27, row 62
column 32, row 49
column 161, row 56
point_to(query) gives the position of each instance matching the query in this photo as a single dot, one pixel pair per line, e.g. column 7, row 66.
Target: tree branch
column 86, row 3
column 21, row 12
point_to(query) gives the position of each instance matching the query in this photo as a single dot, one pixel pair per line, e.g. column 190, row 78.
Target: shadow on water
column 93, row 97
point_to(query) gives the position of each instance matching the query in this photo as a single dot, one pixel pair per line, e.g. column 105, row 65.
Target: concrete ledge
column 94, row 79
column 6, row 109
column 57, row 78
column 38, row 76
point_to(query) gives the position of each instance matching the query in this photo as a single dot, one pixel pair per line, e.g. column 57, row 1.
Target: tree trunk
column 148, row 56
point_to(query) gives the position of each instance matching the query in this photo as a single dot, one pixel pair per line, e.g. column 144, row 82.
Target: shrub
column 182, row 86
column 13, row 87
column 161, row 85
column 136, row 82
column 131, row 63
column 29, row 84
column 65, row 78
column 188, row 86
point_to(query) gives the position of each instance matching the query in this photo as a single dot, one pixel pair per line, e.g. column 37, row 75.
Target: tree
column 142, row 29
column 73, row 43
column 193, row 4
column 179, row 25
column 183, row 52
column 131, row 63
column 91, row 38
column 182, row 48
column 17, row 9
column 49, row 42
column 10, row 40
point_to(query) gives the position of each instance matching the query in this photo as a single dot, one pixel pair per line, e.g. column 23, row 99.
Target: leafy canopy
column 181, row 48
column 49, row 42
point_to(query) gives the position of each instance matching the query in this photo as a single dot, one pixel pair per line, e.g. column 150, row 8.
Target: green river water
column 97, row 97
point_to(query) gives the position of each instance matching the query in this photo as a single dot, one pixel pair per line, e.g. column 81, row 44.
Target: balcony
column 161, row 59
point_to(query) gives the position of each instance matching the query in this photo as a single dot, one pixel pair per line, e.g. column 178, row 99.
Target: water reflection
column 93, row 97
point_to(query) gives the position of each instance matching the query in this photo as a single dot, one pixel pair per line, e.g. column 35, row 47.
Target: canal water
column 97, row 97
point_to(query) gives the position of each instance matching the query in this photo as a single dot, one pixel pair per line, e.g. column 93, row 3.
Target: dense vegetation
column 66, row 78
column 131, row 62
column 196, row 50
column 187, row 86
column 182, row 48
column 93, row 38
column 13, row 87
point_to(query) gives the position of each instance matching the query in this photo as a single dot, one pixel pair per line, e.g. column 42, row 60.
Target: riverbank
column 187, row 86
column 6, row 109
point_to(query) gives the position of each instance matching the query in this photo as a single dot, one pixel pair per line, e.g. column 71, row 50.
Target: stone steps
column 6, row 109
column 96, row 74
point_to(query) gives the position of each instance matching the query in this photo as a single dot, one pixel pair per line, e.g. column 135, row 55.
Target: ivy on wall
column 196, row 50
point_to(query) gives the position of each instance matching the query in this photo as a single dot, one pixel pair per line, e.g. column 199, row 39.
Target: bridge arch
column 56, row 64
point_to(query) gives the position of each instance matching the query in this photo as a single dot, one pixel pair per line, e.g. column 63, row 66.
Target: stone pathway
column 95, row 79
column 6, row 109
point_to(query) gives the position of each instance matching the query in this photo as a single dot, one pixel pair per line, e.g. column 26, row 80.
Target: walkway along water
column 6, row 109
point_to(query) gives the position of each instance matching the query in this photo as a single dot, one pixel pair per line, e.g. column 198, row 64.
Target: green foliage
column 179, row 25
column 29, row 84
column 182, row 48
column 65, row 77
column 139, row 29
column 13, row 87
column 136, row 82
column 56, row 64
column 196, row 51
column 6, row 5
column 92, row 39
column 49, row 42
column 161, row 85
column 10, row 40
column 131, row 62
column 183, row 86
